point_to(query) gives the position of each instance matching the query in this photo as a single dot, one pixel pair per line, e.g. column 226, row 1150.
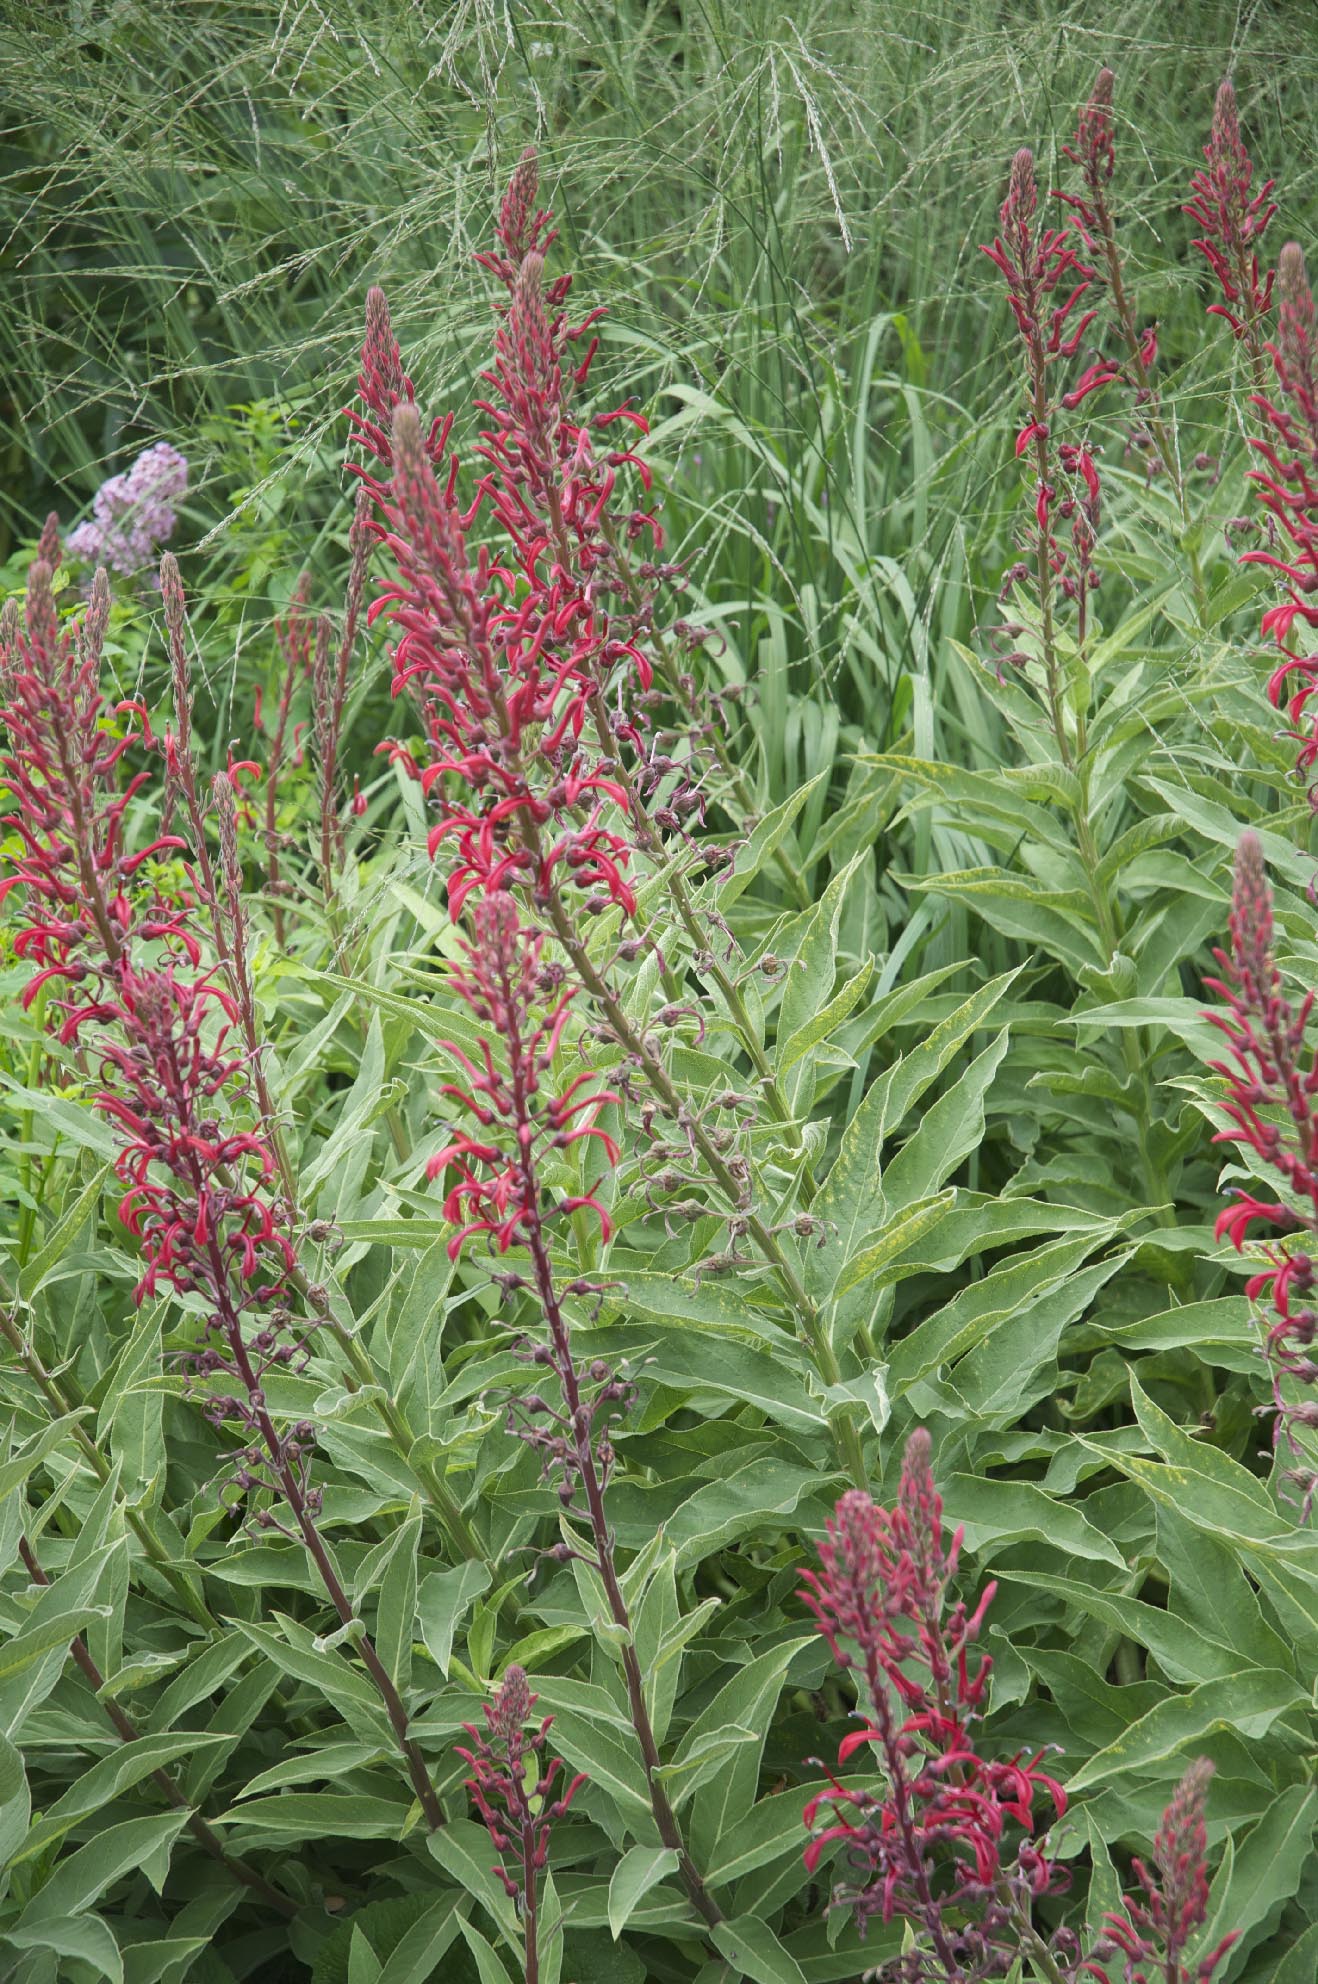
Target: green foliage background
column 986, row 1032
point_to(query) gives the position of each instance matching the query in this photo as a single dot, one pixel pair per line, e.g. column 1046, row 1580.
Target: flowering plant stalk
column 1046, row 283
column 1272, row 1078
column 139, row 1010
column 1232, row 218
column 928, row 1847
column 497, row 1189
column 510, row 1787
column 531, row 679
column 1287, row 486
column 1093, row 151
column 1153, row 1932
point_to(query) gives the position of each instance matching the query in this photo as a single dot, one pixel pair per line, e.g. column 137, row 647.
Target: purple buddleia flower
column 133, row 514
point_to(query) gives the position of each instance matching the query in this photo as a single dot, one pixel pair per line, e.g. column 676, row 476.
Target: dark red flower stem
column 127, row 1729
column 332, row 695
column 579, row 1419
column 291, row 1489
column 530, row 1904
column 634, row 1043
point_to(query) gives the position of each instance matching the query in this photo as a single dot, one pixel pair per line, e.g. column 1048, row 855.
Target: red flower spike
column 512, row 651
column 1041, row 266
column 1158, row 1929
column 514, row 997
column 880, row 1600
column 1272, row 1106
column 510, row 1785
column 1232, row 219
column 1287, row 486
column 194, row 1185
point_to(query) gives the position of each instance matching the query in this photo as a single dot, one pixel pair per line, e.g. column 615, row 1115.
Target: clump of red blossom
column 152, row 1028
column 1272, row 1079
column 1047, row 283
column 151, row 1025
column 1287, row 485
column 929, row 1844
column 511, row 1787
column 1153, row 1932
column 1232, row 218
column 518, row 998
column 506, row 600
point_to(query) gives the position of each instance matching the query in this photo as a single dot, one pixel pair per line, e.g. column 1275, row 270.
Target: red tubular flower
column 1154, row 1934
column 153, row 1028
column 1287, row 485
column 1272, row 1079
column 518, row 1000
column 1231, row 219
column 880, row 1600
column 508, row 636
column 510, row 1786
column 1036, row 263
column 1040, row 266
column 62, row 767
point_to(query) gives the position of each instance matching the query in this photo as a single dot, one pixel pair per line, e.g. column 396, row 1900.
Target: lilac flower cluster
column 133, row 514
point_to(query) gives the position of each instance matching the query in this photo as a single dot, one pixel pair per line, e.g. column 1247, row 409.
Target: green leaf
column 462, row 1849
column 82, row 1936
column 316, row 1815
column 84, row 1876
column 107, row 1779
column 1265, row 1873
column 755, row 1950
column 878, row 1252
column 396, row 1615
column 745, row 1702
column 1060, row 920
column 15, row 1802
column 967, row 1321
column 442, row 1602
column 851, row 1198
column 995, row 1512
column 489, row 1964
column 640, row 1869
column 1300, row 1963
column 1249, row 1703
column 947, row 1133
column 824, row 1024
column 1183, row 1654
column 767, row 837
column 65, row 1235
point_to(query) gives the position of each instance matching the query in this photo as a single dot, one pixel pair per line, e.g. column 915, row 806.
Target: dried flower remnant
column 1232, row 218
column 1153, row 1933
column 511, row 1787
column 133, row 514
column 1273, row 1107
column 929, row 1846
